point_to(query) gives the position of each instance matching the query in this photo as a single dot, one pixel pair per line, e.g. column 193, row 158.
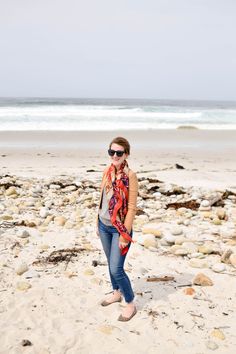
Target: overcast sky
column 165, row 49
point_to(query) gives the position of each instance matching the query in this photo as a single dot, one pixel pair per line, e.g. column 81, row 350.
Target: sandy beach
column 53, row 272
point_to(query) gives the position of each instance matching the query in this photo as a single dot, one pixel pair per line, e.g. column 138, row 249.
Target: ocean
column 74, row 114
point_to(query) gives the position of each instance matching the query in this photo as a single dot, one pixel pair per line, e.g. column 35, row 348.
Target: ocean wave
column 114, row 117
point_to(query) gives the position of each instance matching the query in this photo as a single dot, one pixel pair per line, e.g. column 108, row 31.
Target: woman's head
column 119, row 149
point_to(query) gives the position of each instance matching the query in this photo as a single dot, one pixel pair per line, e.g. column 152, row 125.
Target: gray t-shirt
column 104, row 210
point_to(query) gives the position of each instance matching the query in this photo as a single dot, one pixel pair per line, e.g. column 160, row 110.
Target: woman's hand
column 123, row 242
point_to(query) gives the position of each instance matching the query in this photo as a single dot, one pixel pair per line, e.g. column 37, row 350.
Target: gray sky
column 174, row 49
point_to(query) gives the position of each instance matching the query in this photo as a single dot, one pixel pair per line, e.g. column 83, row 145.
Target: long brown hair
column 122, row 142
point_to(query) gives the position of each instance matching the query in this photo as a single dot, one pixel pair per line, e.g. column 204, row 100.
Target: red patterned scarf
column 117, row 192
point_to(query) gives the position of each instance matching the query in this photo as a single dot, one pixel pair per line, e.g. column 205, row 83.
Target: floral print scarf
column 117, row 192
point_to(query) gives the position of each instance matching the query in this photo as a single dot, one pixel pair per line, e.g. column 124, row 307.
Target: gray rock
column 169, row 239
column 218, row 267
column 21, row 268
column 44, row 212
column 198, row 263
column 23, row 234
column 176, row 230
column 211, row 345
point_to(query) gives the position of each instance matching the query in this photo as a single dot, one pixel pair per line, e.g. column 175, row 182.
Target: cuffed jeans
column 110, row 242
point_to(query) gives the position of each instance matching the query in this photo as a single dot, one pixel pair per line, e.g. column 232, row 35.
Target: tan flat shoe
column 106, row 303
column 125, row 319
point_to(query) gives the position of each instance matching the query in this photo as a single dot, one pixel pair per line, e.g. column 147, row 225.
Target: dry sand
column 61, row 312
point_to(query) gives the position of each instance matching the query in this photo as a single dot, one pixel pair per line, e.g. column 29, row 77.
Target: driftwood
column 190, row 204
column 227, row 193
column 157, row 279
column 62, row 185
column 150, row 180
column 175, row 191
column 10, row 224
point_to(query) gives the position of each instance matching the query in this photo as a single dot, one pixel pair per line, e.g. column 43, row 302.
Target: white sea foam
column 75, row 115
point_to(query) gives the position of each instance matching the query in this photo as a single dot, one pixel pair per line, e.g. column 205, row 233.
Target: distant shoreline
column 151, row 139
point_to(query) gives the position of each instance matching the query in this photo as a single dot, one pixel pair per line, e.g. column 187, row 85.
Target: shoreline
column 7, row 138
column 208, row 157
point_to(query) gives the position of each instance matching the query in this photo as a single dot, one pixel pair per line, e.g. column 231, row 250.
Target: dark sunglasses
column 118, row 153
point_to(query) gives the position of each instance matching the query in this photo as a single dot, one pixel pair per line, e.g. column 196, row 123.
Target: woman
column 117, row 208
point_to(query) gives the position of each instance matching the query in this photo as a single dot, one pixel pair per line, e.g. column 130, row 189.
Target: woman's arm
column 132, row 200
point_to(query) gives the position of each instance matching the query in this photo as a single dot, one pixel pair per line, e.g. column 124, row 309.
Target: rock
column 181, row 252
column 10, row 191
column 196, row 255
column 69, row 225
column 23, row 285
column 190, row 247
column 207, row 214
column 106, row 329
column 176, row 231
column 60, row 220
column 205, row 203
column 2, row 207
column 227, row 233
column 44, row 212
column 169, row 239
column 231, row 243
column 204, row 208
column 173, row 248
column 48, row 219
column 218, row 267
column 189, row 291
column 69, row 189
column 30, row 202
column 6, row 217
column 225, row 256
column 232, row 259
column 163, row 242
column 180, row 239
column 153, row 249
column 21, row 268
column 218, row 334
column 147, row 237
column 157, row 195
column 211, row 345
column 54, row 186
column 88, row 272
column 26, row 343
column 187, row 222
column 205, row 249
column 152, row 229
column 149, row 242
column 44, row 247
column 216, row 221
column 202, row 280
column 221, row 213
column 198, row 263
column 23, row 234
column 42, row 228
column 37, row 189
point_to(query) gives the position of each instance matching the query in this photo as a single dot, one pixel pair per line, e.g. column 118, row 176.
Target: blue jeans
column 110, row 242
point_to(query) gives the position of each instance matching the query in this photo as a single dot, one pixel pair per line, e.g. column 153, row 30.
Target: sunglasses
column 118, row 153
